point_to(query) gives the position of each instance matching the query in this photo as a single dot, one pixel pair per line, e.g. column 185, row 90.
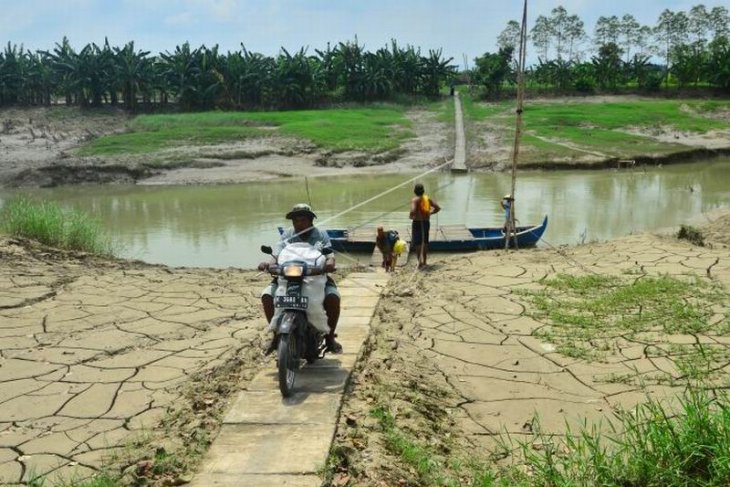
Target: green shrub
column 585, row 84
column 690, row 233
column 50, row 224
column 652, row 81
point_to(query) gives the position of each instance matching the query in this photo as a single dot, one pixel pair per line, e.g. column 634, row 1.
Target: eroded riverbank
column 39, row 148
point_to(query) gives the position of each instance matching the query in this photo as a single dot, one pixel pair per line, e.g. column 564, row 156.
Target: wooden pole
column 511, row 227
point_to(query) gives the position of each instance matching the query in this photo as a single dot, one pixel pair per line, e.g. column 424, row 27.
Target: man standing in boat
column 506, row 204
column 422, row 207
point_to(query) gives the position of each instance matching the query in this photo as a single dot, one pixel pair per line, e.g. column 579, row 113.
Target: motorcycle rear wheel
column 288, row 363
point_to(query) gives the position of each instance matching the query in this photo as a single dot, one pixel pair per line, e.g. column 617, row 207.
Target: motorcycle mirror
column 266, row 249
column 327, row 251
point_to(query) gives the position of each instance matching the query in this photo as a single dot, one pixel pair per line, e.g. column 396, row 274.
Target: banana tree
column 12, row 74
column 378, row 73
column 180, row 71
column 350, row 67
column 435, row 71
column 296, row 81
column 133, row 71
column 64, row 63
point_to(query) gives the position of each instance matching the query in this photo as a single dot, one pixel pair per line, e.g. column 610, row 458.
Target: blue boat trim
column 485, row 238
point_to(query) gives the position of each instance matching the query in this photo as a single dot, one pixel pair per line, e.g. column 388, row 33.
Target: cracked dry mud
column 93, row 354
column 454, row 353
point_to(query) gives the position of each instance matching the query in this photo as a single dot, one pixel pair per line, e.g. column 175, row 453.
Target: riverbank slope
column 44, row 146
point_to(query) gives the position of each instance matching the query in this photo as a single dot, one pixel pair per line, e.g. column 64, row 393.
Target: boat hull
column 483, row 238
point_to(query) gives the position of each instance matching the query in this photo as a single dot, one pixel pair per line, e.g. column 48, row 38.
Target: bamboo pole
column 511, row 227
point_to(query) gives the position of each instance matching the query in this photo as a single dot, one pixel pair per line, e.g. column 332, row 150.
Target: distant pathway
column 266, row 440
column 460, row 149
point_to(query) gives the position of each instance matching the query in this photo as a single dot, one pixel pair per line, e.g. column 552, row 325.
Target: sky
column 458, row 27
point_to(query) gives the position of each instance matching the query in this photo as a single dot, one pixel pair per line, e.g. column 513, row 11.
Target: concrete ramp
column 267, row 440
column 459, row 164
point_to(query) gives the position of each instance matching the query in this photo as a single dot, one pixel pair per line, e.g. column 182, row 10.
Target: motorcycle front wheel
column 288, row 363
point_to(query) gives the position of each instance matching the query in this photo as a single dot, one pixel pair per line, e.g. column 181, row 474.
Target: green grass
column 589, row 316
column 480, row 111
column 50, row 224
column 444, row 108
column 651, row 445
column 429, row 467
column 565, row 130
column 373, row 129
column 102, row 480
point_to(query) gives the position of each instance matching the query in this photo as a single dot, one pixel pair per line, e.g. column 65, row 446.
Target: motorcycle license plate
column 297, row 302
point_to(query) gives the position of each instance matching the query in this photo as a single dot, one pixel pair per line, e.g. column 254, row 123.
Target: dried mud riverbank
column 124, row 366
column 38, row 148
column 456, row 370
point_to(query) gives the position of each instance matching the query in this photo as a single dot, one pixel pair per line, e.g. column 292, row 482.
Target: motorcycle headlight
column 293, row 270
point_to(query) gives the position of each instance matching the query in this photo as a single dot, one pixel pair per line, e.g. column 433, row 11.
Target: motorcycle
column 300, row 322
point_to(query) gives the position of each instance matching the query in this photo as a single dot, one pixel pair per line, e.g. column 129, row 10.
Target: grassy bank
column 425, row 432
column 590, row 315
column 52, row 225
column 648, row 445
column 610, row 129
column 372, row 129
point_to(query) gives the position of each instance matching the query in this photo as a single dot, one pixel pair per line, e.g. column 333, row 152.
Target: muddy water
column 221, row 226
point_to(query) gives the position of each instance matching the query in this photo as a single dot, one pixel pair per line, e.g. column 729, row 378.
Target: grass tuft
column 590, row 317
column 50, row 224
column 652, row 444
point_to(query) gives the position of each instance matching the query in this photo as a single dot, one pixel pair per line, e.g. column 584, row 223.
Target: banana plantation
column 203, row 78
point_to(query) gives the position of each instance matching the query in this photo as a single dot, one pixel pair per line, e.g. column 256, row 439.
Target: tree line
column 203, row 78
column 694, row 47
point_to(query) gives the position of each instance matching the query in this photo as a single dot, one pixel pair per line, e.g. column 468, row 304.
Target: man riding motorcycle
column 303, row 230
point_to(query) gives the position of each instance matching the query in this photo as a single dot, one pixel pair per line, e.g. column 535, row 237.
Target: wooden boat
column 449, row 238
column 487, row 238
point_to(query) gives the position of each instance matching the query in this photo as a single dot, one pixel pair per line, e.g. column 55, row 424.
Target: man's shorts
column 419, row 232
column 329, row 289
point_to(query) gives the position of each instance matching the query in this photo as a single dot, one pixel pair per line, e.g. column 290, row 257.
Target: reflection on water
column 220, row 226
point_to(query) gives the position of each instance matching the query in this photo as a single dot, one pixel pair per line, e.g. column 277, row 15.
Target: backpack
column 424, row 205
column 391, row 236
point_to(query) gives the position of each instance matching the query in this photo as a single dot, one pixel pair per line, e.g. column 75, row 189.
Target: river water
column 222, row 226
